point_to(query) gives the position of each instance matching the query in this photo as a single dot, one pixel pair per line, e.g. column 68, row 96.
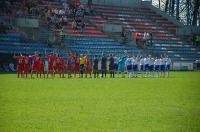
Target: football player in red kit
column 69, row 63
column 27, row 64
column 60, row 65
column 41, row 65
column 76, row 64
column 20, row 62
column 35, row 65
column 87, row 67
column 51, row 60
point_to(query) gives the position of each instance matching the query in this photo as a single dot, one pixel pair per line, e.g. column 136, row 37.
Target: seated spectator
column 65, row 20
column 5, row 67
column 74, row 25
column 49, row 43
column 65, row 5
column 11, row 66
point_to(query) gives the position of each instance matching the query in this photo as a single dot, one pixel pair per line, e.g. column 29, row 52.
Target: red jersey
column 51, row 59
column 59, row 61
column 41, row 61
column 27, row 60
column 76, row 59
column 20, row 60
column 36, row 59
column 69, row 60
column 87, row 61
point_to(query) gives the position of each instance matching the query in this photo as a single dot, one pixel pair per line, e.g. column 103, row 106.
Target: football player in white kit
column 162, row 65
column 142, row 66
column 151, row 66
column 157, row 66
column 168, row 63
column 146, row 65
column 129, row 66
column 116, row 64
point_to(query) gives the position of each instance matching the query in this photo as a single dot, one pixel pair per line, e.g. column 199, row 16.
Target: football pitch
column 100, row 105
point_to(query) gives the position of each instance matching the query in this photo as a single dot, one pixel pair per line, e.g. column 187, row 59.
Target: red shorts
column 35, row 67
column 26, row 68
column 50, row 67
column 41, row 68
column 60, row 67
column 68, row 67
column 54, row 68
column 76, row 68
column 19, row 68
column 87, row 68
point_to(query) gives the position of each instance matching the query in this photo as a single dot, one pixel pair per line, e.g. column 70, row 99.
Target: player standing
column 69, row 63
column 146, row 65
column 135, row 66
column 87, row 67
column 20, row 62
column 51, row 60
column 168, row 63
column 162, row 65
column 142, row 66
column 35, row 65
column 122, row 60
column 41, row 65
column 82, row 61
column 111, row 66
column 157, row 66
column 116, row 64
column 27, row 64
column 95, row 67
column 103, row 65
column 60, row 65
column 151, row 66
column 76, row 64
column 129, row 66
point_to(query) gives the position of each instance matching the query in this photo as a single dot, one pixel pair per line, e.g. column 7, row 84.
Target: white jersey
column 162, row 61
column 129, row 61
column 146, row 61
column 157, row 62
column 151, row 61
column 116, row 60
column 142, row 61
column 168, row 61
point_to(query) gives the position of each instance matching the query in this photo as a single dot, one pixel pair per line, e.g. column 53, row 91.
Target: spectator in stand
column 145, row 38
column 74, row 24
column 124, row 35
column 62, row 34
column 49, row 43
column 82, row 27
column 148, row 38
column 136, row 38
column 92, row 11
column 65, row 5
column 151, row 37
column 65, row 20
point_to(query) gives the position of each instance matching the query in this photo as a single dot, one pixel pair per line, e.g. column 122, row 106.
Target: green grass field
column 104, row 105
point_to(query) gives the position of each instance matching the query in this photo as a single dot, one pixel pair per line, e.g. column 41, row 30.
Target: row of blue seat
column 88, row 39
column 173, row 45
column 169, row 41
column 100, row 47
column 172, row 48
column 10, row 39
column 98, row 42
column 23, row 44
column 10, row 35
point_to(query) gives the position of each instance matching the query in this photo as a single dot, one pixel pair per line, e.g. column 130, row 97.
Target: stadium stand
column 139, row 19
